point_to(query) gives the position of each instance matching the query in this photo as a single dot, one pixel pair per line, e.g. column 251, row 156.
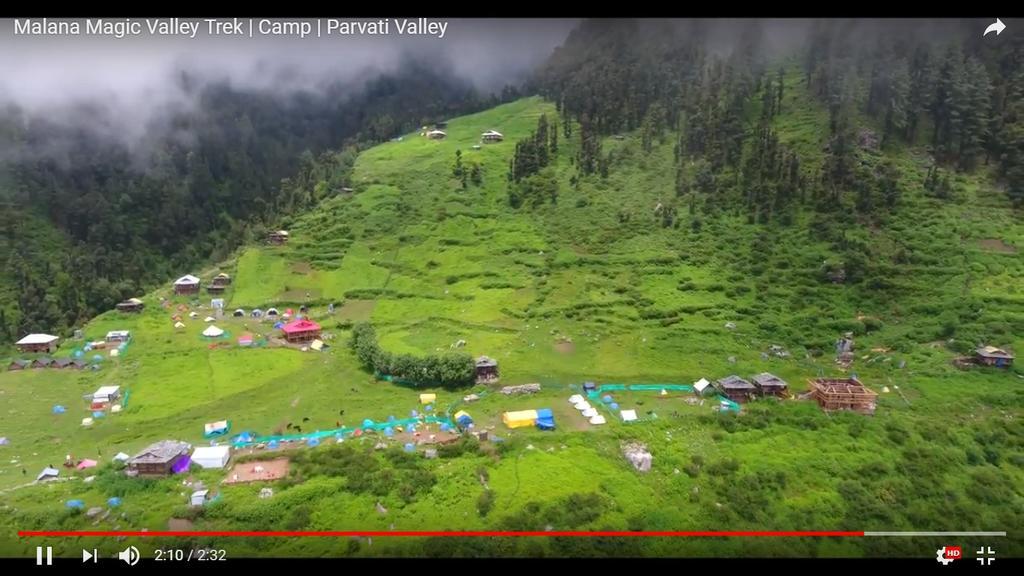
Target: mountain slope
column 595, row 286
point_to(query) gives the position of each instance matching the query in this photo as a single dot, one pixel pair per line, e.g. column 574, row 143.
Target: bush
column 485, row 502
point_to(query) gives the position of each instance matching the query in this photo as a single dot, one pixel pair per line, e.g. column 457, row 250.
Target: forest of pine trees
column 963, row 102
column 528, row 181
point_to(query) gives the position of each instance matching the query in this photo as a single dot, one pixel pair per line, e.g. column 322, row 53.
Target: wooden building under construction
column 843, row 394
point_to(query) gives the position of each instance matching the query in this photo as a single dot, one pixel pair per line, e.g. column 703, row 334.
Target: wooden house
column 843, row 394
column 486, row 370
column 277, row 237
column 492, row 136
column 436, row 135
column 42, row 363
column 992, row 356
column 158, row 459
column 300, row 331
column 221, row 279
column 187, row 284
column 735, row 388
column 19, row 364
column 131, row 305
column 216, row 289
column 38, row 343
column 769, row 384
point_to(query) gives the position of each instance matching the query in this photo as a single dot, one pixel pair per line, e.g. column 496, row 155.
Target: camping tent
column 4, row 441
column 193, row 314
column 86, row 421
column 590, row 413
column 519, row 419
column 211, row 456
column 212, row 332
column 179, row 325
column 106, row 394
column 589, row 387
column 198, row 497
column 209, row 319
column 86, row 464
column 218, row 428
column 597, row 420
column 428, row 398
column 700, row 385
column 628, row 415
column 47, row 474
column 245, row 339
column 463, row 419
column 271, row 311
column 121, row 457
column 256, row 313
column 317, row 345
column 239, row 312
column 576, row 399
column 545, row 419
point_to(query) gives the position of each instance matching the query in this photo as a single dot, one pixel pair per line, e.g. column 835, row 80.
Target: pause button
column 39, row 556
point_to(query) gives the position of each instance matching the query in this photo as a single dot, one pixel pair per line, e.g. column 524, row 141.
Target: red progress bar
column 415, row 533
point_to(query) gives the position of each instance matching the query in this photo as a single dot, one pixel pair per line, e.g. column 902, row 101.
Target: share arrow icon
column 996, row 27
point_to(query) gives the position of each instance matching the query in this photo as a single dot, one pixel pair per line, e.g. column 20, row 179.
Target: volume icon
column 130, row 555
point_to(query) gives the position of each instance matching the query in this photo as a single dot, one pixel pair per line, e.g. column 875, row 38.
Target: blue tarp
column 58, row 409
column 546, row 423
column 273, row 444
column 98, row 414
column 75, row 504
column 389, row 431
column 614, row 406
column 463, row 421
column 544, row 413
column 607, row 399
column 114, row 502
column 410, row 447
column 313, row 442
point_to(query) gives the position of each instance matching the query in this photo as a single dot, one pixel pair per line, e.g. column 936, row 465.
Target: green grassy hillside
column 591, row 287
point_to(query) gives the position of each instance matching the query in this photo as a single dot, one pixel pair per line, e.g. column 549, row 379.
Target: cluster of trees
column 454, row 370
column 466, row 174
column 126, row 214
column 530, row 181
column 533, row 153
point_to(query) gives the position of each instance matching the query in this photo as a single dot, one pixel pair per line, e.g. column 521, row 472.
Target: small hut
column 769, row 384
column 131, row 305
column 735, row 388
column 221, row 279
column 436, row 135
column 277, row 237
column 158, row 459
column 492, row 136
column 301, row 331
column 992, row 356
column 486, row 370
column 38, row 343
column 187, row 284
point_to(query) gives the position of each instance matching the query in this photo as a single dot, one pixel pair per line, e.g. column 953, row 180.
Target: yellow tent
column 519, row 419
column 459, row 414
column 428, row 398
